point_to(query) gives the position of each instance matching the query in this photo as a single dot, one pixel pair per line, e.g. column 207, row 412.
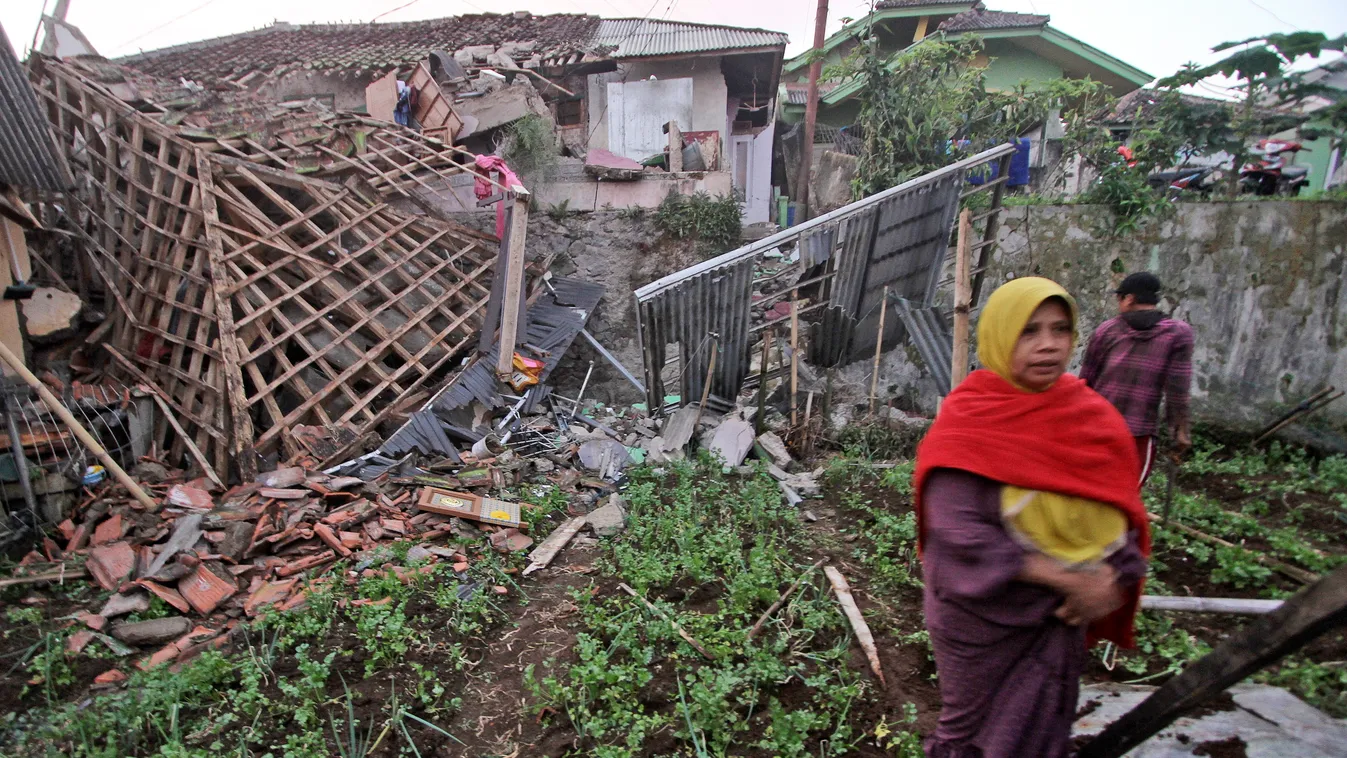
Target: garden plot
column 564, row 662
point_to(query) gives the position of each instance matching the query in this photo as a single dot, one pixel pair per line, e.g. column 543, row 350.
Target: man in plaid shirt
column 1139, row 357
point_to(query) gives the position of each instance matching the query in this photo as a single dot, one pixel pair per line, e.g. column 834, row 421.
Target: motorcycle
column 1272, row 173
column 1201, row 179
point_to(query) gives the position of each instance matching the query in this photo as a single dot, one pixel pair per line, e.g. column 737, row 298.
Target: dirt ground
column 469, row 675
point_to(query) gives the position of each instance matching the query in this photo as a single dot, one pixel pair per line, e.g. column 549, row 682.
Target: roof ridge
column 694, row 23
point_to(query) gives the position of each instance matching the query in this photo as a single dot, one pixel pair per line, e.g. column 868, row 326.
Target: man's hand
column 1092, row 594
column 1182, row 441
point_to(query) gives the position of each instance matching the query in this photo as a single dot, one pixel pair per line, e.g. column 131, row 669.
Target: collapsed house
column 251, row 265
column 608, row 87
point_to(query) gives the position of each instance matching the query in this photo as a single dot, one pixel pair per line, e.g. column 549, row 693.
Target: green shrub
column 713, row 221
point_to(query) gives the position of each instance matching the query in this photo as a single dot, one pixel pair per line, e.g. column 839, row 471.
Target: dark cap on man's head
column 1143, row 284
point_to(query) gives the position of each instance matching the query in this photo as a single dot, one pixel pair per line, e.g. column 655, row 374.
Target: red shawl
column 1067, row 440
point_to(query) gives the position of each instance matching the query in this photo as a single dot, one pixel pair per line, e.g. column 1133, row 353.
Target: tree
column 929, row 106
column 1263, row 65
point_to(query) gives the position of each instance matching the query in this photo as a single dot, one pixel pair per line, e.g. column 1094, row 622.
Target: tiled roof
column 644, row 37
column 887, row 4
column 379, row 46
column 980, row 20
column 797, row 93
column 1139, row 106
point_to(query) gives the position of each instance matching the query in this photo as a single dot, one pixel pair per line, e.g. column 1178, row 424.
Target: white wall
column 709, row 93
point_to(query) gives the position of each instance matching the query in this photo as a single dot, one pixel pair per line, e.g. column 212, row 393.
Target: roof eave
column 1065, row 41
column 883, row 14
column 780, row 49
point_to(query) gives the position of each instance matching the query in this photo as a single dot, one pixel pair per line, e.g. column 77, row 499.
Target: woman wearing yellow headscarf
column 1033, row 535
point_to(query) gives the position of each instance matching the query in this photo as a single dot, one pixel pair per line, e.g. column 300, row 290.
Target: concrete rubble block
column 51, row 315
column 153, row 632
column 604, row 454
column 122, row 604
column 773, row 448
column 238, row 535
column 732, row 441
column 610, row 519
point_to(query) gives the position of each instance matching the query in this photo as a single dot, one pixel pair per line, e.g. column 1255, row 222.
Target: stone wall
column 1260, row 282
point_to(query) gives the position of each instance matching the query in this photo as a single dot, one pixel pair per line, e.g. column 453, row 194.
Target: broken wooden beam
column 1231, row 605
column 782, row 600
column 1314, row 611
column 858, row 625
column 544, row 554
column 658, row 612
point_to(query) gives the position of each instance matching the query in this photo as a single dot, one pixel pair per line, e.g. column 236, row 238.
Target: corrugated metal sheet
column 553, row 323
column 28, row 157
column 645, row 37
column 927, row 330
column 896, row 239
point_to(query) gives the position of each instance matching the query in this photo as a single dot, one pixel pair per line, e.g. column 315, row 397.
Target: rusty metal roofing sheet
column 28, row 157
column 645, row 37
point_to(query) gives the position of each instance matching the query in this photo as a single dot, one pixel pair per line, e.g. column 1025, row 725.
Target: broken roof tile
column 205, row 590
column 110, row 564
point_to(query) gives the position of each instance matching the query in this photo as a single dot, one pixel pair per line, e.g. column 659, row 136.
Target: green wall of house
column 1011, row 64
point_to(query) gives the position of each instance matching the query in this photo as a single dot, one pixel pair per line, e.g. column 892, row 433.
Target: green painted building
column 1019, row 47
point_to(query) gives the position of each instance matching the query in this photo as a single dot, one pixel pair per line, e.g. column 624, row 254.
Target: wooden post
column 761, row 421
column 963, row 299
column 706, row 385
column 794, row 357
column 1316, row 610
column 514, row 282
column 879, row 349
column 241, row 422
column 675, row 147
column 80, row 432
column 801, row 190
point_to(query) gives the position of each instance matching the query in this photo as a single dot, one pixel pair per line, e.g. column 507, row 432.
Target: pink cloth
column 483, row 189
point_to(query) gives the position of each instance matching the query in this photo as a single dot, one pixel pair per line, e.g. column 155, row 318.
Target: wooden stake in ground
column 858, row 625
column 514, row 283
column 963, row 298
column 879, row 350
column 1316, row 610
column 80, row 432
column 681, row 632
column 706, row 385
column 762, row 620
column 794, row 358
column 760, row 423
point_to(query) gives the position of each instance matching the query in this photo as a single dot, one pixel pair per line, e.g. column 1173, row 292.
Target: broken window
column 569, row 112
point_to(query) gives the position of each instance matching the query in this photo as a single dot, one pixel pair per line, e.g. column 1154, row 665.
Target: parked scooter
column 1202, row 179
column 1272, row 172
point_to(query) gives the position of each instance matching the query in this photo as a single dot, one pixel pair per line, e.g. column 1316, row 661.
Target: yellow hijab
column 1007, row 311
column 1072, row 530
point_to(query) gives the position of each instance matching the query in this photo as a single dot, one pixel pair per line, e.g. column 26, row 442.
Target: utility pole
column 811, row 109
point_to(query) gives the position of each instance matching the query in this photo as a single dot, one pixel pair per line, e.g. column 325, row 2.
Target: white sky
column 1157, row 36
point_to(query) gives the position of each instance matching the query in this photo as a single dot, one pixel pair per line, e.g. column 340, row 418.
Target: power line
column 395, row 10
column 1270, row 13
column 170, row 22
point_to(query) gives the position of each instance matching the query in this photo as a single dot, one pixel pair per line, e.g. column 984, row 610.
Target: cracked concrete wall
column 1260, row 282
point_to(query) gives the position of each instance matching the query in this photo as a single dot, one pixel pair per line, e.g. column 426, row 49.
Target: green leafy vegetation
column 714, row 223
column 711, row 551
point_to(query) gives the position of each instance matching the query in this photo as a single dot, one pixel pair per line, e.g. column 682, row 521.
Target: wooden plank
column 241, row 421
column 544, row 554
column 514, row 286
column 963, row 300
column 1317, row 609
